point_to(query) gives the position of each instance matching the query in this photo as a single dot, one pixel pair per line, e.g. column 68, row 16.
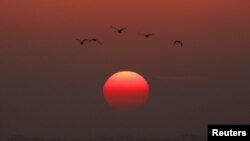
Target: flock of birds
column 176, row 43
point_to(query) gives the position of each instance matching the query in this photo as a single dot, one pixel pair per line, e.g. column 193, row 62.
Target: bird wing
column 181, row 44
column 114, row 28
column 95, row 40
column 99, row 42
column 150, row 34
column 178, row 42
column 124, row 28
column 144, row 34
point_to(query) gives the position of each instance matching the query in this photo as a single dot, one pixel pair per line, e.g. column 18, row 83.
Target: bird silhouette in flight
column 146, row 35
column 82, row 41
column 95, row 40
column 178, row 43
column 119, row 30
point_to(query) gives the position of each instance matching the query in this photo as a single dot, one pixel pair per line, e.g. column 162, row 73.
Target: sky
column 51, row 86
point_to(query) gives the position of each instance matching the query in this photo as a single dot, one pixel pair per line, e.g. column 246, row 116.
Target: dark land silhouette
column 109, row 138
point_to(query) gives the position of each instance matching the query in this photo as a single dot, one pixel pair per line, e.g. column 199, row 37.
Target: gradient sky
column 50, row 86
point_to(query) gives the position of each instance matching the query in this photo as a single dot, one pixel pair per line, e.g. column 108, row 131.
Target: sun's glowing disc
column 126, row 90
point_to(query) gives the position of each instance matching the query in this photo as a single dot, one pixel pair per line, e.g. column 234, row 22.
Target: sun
column 126, row 90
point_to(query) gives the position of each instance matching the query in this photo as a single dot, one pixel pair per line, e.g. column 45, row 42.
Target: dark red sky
column 49, row 86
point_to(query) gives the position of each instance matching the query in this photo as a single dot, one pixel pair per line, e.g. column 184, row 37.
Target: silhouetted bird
column 95, row 40
column 82, row 41
column 146, row 35
column 178, row 43
column 119, row 30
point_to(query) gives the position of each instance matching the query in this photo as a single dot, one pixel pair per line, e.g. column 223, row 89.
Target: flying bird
column 82, row 41
column 146, row 35
column 119, row 30
column 95, row 40
column 178, row 43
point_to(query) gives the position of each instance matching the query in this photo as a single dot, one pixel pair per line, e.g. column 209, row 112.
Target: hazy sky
column 50, row 86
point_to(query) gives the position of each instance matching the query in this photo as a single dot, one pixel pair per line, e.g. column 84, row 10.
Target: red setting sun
column 126, row 90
